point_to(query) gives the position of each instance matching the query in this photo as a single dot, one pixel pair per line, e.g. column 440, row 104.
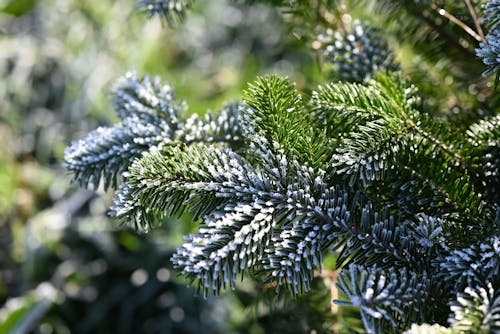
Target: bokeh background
column 64, row 266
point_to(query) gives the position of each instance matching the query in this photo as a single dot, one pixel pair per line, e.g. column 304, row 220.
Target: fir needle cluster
column 405, row 201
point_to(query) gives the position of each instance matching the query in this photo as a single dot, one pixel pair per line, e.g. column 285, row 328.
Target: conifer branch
column 491, row 14
column 476, row 265
column 476, row 310
column 385, row 297
column 243, row 212
column 489, row 49
column 106, row 152
column 150, row 117
column 378, row 126
column 356, row 54
column 221, row 127
column 277, row 116
column 486, row 132
column 147, row 99
column 277, row 181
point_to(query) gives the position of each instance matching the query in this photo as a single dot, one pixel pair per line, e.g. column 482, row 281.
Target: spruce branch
column 484, row 137
column 378, row 125
column 172, row 177
column 276, row 112
column 442, row 188
column 342, row 107
column 486, row 132
column 222, row 127
column 390, row 297
column 298, row 246
column 107, row 152
column 489, row 52
column 417, row 185
column 356, row 54
column 491, row 14
column 489, row 49
column 231, row 242
column 268, row 223
column 405, row 202
column 384, row 240
column 126, row 204
column 471, row 266
column 152, row 118
column 147, row 99
column 276, row 218
column 476, row 310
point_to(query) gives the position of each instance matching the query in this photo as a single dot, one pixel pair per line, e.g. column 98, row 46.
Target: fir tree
column 404, row 195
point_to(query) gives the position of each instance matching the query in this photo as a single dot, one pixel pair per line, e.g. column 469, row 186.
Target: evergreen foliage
column 357, row 54
column 149, row 118
column 386, row 295
column 489, row 50
column 406, row 201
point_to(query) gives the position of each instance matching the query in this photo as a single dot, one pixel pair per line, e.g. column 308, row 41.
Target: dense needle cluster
column 404, row 201
column 489, row 52
column 356, row 54
column 265, row 210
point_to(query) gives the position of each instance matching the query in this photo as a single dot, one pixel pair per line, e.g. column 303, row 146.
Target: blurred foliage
column 116, row 281
column 17, row 8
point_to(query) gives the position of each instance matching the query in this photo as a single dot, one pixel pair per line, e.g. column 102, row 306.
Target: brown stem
column 477, row 23
column 445, row 34
column 457, row 21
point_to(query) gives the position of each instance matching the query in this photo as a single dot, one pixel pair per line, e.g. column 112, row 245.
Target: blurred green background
column 64, row 267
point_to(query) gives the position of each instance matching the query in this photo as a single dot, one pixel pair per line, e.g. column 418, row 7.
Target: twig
column 477, row 23
column 457, row 21
column 425, row 17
